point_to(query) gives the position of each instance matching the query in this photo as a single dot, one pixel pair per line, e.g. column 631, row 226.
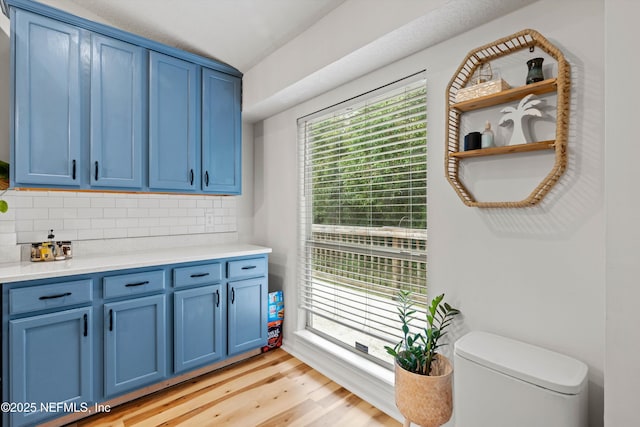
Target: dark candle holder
column 535, row 70
column 472, row 141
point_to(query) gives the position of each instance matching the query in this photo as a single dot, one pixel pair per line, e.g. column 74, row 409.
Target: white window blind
column 363, row 215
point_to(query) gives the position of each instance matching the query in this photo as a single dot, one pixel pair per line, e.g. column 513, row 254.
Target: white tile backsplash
column 87, row 216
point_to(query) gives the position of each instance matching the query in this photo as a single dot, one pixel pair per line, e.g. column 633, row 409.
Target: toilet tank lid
column 536, row 365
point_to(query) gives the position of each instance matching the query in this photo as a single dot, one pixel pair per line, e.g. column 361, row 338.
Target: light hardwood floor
column 272, row 389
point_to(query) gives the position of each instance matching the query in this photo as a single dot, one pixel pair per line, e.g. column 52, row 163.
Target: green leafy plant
column 4, row 185
column 416, row 351
column 4, row 206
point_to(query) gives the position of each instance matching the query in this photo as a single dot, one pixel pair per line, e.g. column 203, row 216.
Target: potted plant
column 4, row 206
column 4, row 185
column 422, row 375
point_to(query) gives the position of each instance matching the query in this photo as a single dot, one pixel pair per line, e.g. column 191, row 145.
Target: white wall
column 622, row 380
column 535, row 274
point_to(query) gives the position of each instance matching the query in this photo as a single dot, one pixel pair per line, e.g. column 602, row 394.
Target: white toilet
column 500, row 382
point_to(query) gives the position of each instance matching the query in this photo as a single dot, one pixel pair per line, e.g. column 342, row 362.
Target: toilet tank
column 500, row 382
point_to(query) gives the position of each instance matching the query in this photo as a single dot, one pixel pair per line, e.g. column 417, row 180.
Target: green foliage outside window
column 368, row 173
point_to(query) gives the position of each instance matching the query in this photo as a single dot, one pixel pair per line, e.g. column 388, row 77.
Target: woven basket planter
column 425, row 400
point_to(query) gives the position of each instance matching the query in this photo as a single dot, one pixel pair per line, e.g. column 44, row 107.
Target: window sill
column 355, row 361
column 366, row 379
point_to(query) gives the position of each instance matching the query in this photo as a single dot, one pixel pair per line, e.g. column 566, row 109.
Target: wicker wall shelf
column 561, row 85
column 509, row 149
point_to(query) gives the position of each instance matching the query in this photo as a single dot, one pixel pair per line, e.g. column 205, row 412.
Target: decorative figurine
column 517, row 115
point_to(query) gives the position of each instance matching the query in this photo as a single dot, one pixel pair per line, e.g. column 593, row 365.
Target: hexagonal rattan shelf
column 524, row 39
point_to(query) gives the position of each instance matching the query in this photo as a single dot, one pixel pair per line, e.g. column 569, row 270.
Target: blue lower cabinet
column 71, row 342
column 50, row 362
column 198, row 327
column 135, row 343
column 247, row 315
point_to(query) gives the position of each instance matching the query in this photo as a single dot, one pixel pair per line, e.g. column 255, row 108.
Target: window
column 363, row 215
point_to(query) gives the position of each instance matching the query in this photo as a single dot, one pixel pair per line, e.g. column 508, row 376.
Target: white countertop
column 21, row 271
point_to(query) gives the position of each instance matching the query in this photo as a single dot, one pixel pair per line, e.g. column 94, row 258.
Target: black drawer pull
column 73, row 170
column 111, row 320
column 191, row 176
column 249, row 267
column 199, row 275
column 85, row 324
column 206, row 178
column 233, row 295
column 217, row 298
column 66, row 294
column 96, row 172
column 129, row 285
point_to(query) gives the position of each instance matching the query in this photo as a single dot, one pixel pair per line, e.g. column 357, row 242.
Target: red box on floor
column 275, row 318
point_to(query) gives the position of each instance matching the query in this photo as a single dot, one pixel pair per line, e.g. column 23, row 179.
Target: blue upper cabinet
column 94, row 107
column 117, row 76
column 47, row 96
column 221, row 133
column 173, row 120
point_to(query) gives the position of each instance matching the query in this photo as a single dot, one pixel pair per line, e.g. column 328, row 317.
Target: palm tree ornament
column 517, row 115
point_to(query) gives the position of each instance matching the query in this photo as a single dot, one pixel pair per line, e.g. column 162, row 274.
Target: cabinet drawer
column 133, row 284
column 44, row 297
column 197, row 275
column 246, row 268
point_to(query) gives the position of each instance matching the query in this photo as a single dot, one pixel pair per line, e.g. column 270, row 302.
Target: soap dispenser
column 487, row 136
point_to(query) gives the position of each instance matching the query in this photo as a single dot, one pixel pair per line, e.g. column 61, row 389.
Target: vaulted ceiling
column 238, row 32
column 293, row 50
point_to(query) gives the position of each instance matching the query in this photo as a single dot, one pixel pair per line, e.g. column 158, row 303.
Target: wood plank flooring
column 272, row 389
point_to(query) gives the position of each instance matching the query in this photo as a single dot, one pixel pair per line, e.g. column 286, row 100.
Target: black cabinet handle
column 233, row 295
column 217, row 298
column 66, row 294
column 96, row 171
column 191, row 176
column 206, row 178
column 128, row 285
column 73, row 169
column 248, row 267
column 111, row 320
column 199, row 275
column 85, row 324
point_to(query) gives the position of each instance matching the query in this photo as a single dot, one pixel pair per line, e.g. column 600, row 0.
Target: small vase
column 535, row 70
column 425, row 400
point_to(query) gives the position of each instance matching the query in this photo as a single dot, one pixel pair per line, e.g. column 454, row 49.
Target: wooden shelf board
column 522, row 148
column 515, row 94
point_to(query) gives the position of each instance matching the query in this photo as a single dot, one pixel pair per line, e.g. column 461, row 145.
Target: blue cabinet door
column 134, row 344
column 47, row 115
column 198, row 329
column 116, row 113
column 50, row 360
column 173, row 121
column 247, row 315
column 221, row 133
